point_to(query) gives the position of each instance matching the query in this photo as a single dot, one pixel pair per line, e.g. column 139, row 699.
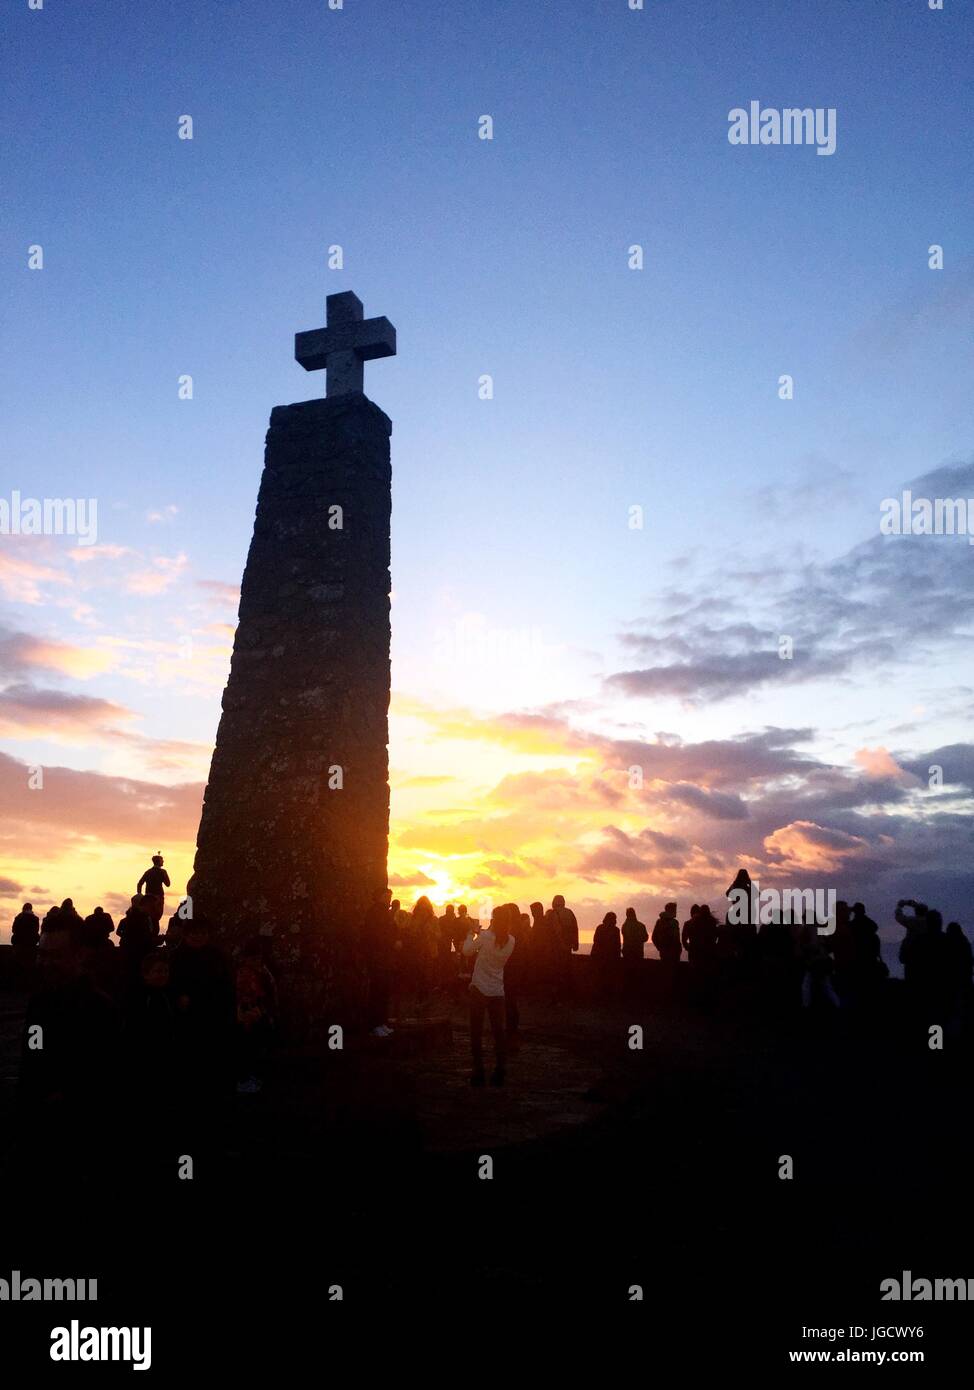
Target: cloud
column 22, row 653
column 425, row 781
column 720, row 805
column 216, row 589
column 28, row 712
column 161, row 575
column 844, row 618
column 879, row 762
column 484, row 881
column 804, row 846
column 639, row 856
column 75, row 808
column 21, row 579
column 163, row 514
column 85, row 554
column 955, row 761
column 414, row 880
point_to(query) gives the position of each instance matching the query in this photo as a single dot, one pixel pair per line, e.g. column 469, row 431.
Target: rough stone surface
column 308, row 693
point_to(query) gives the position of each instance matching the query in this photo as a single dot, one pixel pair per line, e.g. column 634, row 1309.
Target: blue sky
column 612, row 387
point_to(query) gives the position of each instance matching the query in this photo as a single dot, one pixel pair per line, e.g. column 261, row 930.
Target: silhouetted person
column 634, row 937
column 739, row 898
column 379, row 935
column 97, row 928
column 446, row 929
column 402, row 967
column 67, row 1083
column 50, row 928
column 666, row 936
column 817, row 966
column 700, row 938
column 924, row 954
column 174, row 929
column 135, row 936
column 865, row 970
column 154, row 881
column 492, row 950
column 779, row 970
column 24, row 936
column 566, row 942
column 26, row 927
column 842, row 944
column 64, row 919
column 605, row 955
column 461, row 969
column 461, row 927
column 549, row 956
column 567, row 924
column 99, row 957
column 742, row 921
column 420, row 946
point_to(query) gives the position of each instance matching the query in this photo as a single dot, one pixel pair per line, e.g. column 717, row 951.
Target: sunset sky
column 542, row 647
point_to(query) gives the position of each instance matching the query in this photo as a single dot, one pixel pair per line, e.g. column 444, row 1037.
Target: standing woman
column 606, row 946
column 492, row 950
column 424, row 942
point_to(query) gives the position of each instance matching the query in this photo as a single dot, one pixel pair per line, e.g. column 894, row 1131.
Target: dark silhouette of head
column 557, row 902
column 27, row 907
column 501, row 922
column 196, row 934
column 630, row 913
column 423, row 908
column 609, row 920
column 537, row 912
column 154, row 968
column 157, row 860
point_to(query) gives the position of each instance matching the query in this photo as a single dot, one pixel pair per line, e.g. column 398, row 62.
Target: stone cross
column 348, row 341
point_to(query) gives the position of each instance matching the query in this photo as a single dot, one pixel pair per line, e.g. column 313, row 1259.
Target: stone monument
column 294, row 834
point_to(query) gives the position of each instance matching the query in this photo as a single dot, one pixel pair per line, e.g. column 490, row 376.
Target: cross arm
column 367, row 338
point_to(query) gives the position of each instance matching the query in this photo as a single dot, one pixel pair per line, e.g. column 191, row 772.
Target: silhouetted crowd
column 188, row 1022
column 163, row 1021
column 800, row 962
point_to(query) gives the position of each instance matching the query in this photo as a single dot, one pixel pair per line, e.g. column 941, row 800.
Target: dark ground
column 612, row 1168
